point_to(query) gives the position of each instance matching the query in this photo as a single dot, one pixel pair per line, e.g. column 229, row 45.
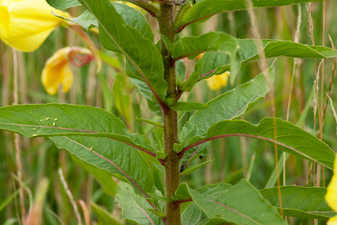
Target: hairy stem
column 172, row 176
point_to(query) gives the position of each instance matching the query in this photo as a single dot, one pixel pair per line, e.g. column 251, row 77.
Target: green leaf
column 213, row 41
column 181, row 72
column 248, row 51
column 276, row 171
column 135, row 208
column 110, row 59
column 191, row 215
column 86, row 20
column 135, row 19
column 49, row 124
column 104, row 178
column 157, row 138
column 227, row 106
column 156, row 124
column 63, row 4
column 303, row 202
column 106, row 92
column 131, row 16
column 188, row 106
column 240, row 204
column 208, row 64
column 103, row 216
column 122, row 100
column 101, row 144
column 144, row 62
column 194, row 168
column 290, row 138
column 275, row 48
column 206, row 8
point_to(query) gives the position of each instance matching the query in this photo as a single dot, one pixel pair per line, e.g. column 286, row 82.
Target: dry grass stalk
column 71, row 198
column 17, row 141
column 263, row 64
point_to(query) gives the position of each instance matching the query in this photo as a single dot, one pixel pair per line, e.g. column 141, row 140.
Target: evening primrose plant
column 150, row 167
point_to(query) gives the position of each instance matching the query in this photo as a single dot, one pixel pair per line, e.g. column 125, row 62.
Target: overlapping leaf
column 290, row 138
column 204, row 9
column 135, row 208
column 213, row 64
column 213, row 41
column 240, row 204
column 144, row 62
column 303, row 202
column 101, row 144
column 227, row 106
column 275, row 48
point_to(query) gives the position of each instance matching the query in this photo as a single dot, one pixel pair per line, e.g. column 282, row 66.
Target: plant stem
column 172, row 172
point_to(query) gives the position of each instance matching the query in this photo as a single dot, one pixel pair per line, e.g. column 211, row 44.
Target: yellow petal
column 332, row 221
column 223, row 78
column 331, row 195
column 217, row 81
column 212, row 83
column 27, row 44
column 198, row 57
column 25, row 24
column 57, row 72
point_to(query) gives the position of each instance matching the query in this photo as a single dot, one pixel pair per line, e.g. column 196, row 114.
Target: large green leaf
column 290, row 138
column 100, row 146
column 66, row 120
column 213, row 64
column 134, row 19
column 213, row 41
column 275, row 48
column 206, row 8
column 240, row 204
column 305, row 202
column 227, row 106
column 144, row 62
column 135, row 208
column 108, row 184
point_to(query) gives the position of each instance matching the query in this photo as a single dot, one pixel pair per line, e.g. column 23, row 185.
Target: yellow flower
column 25, row 24
column 331, row 195
column 57, row 71
column 217, row 81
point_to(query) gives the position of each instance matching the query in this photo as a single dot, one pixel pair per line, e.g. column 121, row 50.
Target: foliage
column 142, row 166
